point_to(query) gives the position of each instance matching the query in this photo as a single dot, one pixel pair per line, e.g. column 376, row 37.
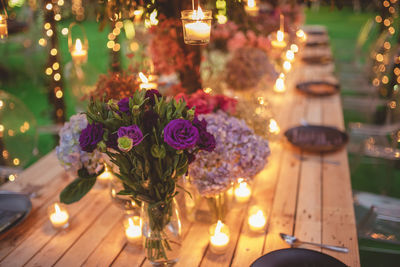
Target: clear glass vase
column 161, row 228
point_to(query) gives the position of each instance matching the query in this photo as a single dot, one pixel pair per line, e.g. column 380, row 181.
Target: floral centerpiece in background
column 152, row 141
column 85, row 165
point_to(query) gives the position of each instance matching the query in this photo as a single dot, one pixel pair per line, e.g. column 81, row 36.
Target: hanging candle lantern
column 78, row 50
column 279, row 42
column 252, row 8
column 196, row 25
column 3, row 23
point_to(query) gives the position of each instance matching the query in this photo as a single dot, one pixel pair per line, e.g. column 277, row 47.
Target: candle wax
column 219, row 240
column 242, row 193
column 197, row 31
column 133, row 232
column 257, row 221
column 59, row 218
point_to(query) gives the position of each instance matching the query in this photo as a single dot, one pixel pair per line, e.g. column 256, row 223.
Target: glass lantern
column 77, row 48
column 252, row 8
column 196, row 26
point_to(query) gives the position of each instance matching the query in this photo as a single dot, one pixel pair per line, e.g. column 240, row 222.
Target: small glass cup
column 196, row 26
column 58, row 216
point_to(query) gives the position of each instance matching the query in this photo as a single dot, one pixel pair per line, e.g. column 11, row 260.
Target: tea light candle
column 242, row 191
column 280, row 35
column 3, row 27
column 301, row 35
column 146, row 84
column 289, row 55
column 279, row 86
column 79, row 53
column 251, row 8
column 133, row 229
column 257, row 221
column 273, row 127
column 287, row 66
column 294, row 48
column 105, row 177
column 58, row 216
column 219, row 237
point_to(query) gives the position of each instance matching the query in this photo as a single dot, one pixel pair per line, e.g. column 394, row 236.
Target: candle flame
column 198, row 14
column 294, row 48
column 57, row 208
column 240, row 180
column 289, row 55
column 287, row 65
column 280, row 83
column 251, row 3
column 143, row 77
column 273, row 126
column 130, row 221
column 280, row 36
column 218, row 227
column 78, row 45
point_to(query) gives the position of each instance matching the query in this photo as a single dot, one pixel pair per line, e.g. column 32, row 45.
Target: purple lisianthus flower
column 123, row 105
column 91, row 136
column 132, row 132
column 206, row 141
column 112, row 141
column 201, row 125
column 150, row 94
column 181, row 134
column 149, row 120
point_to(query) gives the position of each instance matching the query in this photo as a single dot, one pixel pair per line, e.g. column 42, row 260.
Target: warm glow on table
column 257, row 221
column 59, row 217
column 133, row 229
column 242, row 191
column 279, row 86
column 146, row 84
column 219, row 237
column 79, row 53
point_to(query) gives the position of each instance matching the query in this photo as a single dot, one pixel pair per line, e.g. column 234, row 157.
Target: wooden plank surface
column 300, row 194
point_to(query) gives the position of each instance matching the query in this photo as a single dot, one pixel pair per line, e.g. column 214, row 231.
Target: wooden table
column 310, row 198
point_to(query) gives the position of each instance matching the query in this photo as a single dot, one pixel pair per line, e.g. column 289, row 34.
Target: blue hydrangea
column 69, row 152
column 239, row 153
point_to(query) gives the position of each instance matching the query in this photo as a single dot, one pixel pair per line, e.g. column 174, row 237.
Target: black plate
column 14, row 208
column 316, row 138
column 317, row 60
column 297, row 257
column 318, row 88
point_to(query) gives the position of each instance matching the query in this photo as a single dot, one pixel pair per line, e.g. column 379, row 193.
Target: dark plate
column 318, row 88
column 317, row 60
column 14, row 208
column 297, row 257
column 316, row 138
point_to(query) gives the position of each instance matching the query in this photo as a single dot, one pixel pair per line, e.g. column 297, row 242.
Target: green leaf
column 77, row 189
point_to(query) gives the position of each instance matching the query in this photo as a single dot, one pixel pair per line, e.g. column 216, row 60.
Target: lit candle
column 146, row 84
column 279, row 86
column 3, row 27
column 79, row 53
column 301, row 35
column 294, row 48
column 105, row 177
column 196, row 26
column 280, row 35
column 251, row 8
column 133, row 229
column 58, row 216
column 257, row 221
column 242, row 191
column 273, row 127
column 289, row 55
column 219, row 237
column 287, row 66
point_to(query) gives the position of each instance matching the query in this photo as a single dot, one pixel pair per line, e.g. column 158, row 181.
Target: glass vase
column 161, row 228
column 218, row 206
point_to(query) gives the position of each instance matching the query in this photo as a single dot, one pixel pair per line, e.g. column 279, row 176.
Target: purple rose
column 150, row 120
column 123, row 105
column 150, row 94
column 181, row 134
column 91, row 136
column 133, row 132
column 206, row 141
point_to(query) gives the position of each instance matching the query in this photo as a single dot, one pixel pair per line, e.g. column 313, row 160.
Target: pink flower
column 227, row 104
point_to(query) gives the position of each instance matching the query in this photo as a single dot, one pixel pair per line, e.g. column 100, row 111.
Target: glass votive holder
column 256, row 219
column 133, row 229
column 196, row 26
column 58, row 216
column 242, row 191
column 219, row 237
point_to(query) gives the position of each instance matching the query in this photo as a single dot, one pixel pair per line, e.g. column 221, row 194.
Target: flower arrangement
column 229, row 37
column 238, row 153
column 152, row 141
column 70, row 154
column 206, row 103
column 247, row 67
